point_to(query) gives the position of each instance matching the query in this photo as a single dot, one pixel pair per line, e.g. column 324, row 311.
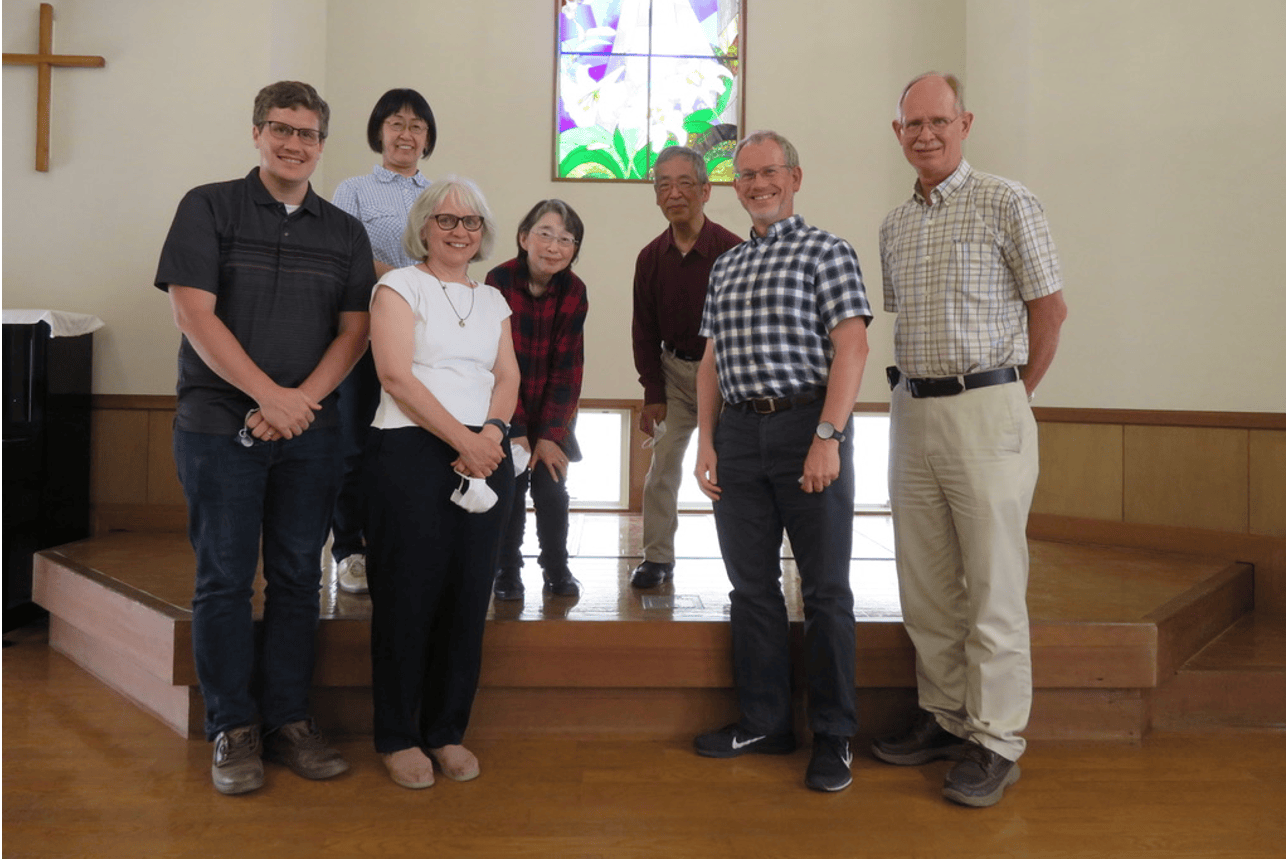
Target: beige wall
column 1119, row 115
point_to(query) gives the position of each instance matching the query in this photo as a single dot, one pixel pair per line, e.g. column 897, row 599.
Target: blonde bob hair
column 470, row 197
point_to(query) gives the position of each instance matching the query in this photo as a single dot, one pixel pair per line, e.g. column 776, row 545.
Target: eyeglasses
column 397, row 126
column 939, row 124
column 550, row 239
column 685, row 186
column 768, row 173
column 472, row 223
column 281, row 131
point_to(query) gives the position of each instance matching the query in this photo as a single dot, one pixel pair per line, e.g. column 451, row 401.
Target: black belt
column 769, row 405
column 948, row 385
column 680, row 354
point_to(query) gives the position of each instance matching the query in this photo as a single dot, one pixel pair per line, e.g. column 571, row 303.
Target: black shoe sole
column 819, row 786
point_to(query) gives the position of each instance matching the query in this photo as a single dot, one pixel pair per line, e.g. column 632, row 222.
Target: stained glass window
column 635, row 76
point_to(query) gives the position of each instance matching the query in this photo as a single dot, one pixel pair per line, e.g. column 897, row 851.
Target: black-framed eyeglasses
column 472, row 223
column 938, row 124
column 282, row 131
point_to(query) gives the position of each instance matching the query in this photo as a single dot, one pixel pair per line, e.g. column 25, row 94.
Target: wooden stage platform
column 1110, row 628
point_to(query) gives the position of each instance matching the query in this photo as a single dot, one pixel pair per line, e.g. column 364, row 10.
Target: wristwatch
column 826, row 430
column 496, row 422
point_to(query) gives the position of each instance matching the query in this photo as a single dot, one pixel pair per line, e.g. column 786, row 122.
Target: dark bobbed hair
column 392, row 102
column 570, row 220
column 291, row 94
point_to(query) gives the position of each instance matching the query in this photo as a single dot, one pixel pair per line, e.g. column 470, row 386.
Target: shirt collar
column 259, row 193
column 705, row 237
column 779, row 229
column 947, row 187
column 383, row 174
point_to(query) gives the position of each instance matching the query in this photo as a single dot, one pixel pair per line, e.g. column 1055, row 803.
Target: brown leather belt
column 769, row 405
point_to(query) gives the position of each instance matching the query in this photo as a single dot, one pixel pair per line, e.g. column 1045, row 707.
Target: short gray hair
column 957, row 89
column 787, row 148
column 698, row 163
column 469, row 195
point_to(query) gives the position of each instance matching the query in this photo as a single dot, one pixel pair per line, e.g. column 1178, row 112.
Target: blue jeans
column 761, row 458
column 284, row 492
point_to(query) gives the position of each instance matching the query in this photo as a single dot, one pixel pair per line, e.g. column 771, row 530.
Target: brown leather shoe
column 924, row 741
column 300, row 747
column 237, row 766
column 981, row 777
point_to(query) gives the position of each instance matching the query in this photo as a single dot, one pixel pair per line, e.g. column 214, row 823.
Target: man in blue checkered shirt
column 785, row 322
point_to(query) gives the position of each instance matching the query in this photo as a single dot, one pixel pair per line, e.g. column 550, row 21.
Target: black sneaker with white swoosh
column 830, row 768
column 732, row 741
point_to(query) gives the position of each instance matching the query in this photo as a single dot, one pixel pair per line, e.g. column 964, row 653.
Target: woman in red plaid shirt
column 549, row 305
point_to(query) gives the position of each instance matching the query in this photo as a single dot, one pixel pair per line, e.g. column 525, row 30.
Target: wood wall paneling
column 118, row 457
column 1081, row 471
column 163, row 486
column 1268, row 482
column 1187, row 476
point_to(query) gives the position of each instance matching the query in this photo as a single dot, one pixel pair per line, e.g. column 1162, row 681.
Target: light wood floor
column 88, row 774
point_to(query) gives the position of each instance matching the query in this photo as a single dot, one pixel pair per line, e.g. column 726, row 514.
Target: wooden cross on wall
column 44, row 63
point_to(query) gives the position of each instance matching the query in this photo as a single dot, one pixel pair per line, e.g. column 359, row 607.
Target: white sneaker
column 352, row 574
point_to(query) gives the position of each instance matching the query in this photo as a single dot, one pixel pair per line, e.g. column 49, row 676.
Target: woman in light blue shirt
column 402, row 130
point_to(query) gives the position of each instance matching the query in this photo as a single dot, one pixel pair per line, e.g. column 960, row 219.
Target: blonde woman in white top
column 449, row 383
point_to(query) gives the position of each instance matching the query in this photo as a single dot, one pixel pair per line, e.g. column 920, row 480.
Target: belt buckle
column 768, row 402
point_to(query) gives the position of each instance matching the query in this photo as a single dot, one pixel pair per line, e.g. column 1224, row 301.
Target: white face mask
column 521, row 458
column 473, row 494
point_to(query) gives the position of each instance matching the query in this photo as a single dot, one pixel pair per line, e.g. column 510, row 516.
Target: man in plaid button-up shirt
column 785, row 318
column 971, row 271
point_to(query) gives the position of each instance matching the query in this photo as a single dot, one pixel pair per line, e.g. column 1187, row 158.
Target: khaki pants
column 962, row 471
column 661, row 489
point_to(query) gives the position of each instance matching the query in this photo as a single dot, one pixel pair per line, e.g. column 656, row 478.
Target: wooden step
column 1108, row 627
column 1237, row 680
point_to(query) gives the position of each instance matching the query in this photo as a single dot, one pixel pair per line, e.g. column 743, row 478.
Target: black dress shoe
column 508, row 585
column 650, row 574
column 561, row 583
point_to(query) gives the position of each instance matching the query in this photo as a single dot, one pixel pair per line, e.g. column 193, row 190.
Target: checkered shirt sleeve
column 771, row 305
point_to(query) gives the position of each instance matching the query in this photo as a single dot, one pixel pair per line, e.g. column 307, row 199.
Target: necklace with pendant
column 473, row 298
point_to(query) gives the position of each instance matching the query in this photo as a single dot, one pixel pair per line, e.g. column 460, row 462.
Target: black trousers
column 552, row 514
column 430, row 565
column 761, row 458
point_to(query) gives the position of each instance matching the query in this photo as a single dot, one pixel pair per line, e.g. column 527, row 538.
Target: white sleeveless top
column 454, row 362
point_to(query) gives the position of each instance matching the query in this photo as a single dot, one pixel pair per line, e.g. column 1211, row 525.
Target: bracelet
column 496, row 422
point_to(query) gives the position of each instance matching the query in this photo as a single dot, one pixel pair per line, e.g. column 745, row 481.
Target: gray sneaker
column 237, row 766
column 300, row 747
column 351, row 574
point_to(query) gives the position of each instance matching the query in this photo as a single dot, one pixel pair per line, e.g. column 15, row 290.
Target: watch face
column 825, row 430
